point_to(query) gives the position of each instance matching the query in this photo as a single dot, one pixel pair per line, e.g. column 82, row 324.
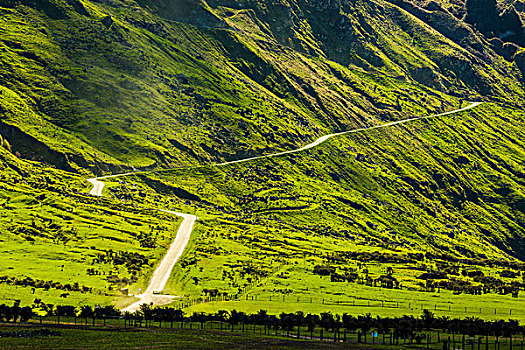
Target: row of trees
column 15, row 313
column 405, row 326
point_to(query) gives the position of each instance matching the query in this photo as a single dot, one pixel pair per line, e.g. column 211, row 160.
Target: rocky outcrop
column 509, row 50
column 485, row 16
column 427, row 76
column 445, row 23
column 511, row 27
column 78, row 7
column 107, row 21
column 519, row 58
column 482, row 14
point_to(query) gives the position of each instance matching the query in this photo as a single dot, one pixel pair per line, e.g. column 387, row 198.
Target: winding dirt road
column 323, row 139
column 98, row 185
column 163, row 272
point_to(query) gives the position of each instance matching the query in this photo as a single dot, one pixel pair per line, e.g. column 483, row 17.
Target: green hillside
column 109, row 85
column 170, row 88
column 421, row 198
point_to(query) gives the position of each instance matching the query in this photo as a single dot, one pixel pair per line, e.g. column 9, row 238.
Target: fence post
column 321, row 336
column 344, row 336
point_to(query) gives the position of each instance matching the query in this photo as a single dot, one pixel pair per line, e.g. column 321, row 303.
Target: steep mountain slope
column 123, row 84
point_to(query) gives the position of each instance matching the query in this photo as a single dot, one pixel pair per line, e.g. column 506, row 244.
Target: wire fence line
column 431, row 339
column 358, row 302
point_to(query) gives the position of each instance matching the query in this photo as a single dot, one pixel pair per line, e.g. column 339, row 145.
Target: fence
column 361, row 303
column 431, row 339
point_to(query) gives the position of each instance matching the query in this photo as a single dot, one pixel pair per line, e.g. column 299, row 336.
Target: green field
column 155, row 338
column 221, row 336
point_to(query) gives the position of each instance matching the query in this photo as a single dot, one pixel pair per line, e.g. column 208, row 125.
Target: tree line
column 400, row 327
